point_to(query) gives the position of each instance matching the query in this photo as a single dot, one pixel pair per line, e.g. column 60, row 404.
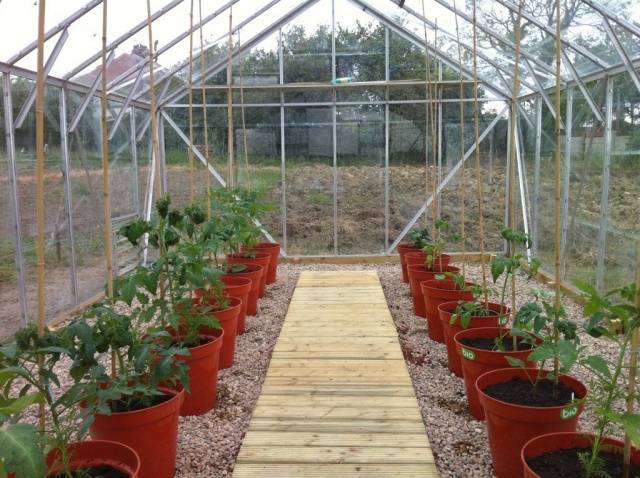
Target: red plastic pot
column 445, row 311
column 273, row 249
column 476, row 361
column 419, row 273
column 92, row 453
column 436, row 292
column 402, row 249
column 203, row 366
column 254, row 273
column 560, row 441
column 420, row 257
column 510, row 426
column 229, row 322
column 259, row 259
column 151, row 432
column 238, row 287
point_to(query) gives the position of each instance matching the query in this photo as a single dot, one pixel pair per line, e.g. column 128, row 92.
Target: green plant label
column 569, row 412
column 468, row 354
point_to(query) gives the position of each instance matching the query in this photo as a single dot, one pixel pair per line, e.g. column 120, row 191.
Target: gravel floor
column 209, row 444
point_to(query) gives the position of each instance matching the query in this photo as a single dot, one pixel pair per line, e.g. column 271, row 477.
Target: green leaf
column 598, row 364
column 631, row 425
column 20, row 450
column 13, row 406
column 515, row 362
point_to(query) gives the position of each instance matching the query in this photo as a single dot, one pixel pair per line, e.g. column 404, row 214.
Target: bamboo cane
column 558, row 172
column 40, row 224
column 512, row 153
column 231, row 179
column 205, row 126
column 190, row 81
column 434, row 140
column 461, row 150
column 427, row 115
column 155, row 143
column 476, row 129
column 633, row 370
column 106, row 196
column 244, row 123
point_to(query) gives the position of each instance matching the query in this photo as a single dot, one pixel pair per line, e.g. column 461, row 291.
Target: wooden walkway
column 337, row 400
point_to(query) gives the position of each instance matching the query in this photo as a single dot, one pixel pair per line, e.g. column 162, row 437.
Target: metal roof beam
column 51, row 33
column 585, row 92
column 122, row 38
column 125, row 105
column 621, row 52
column 606, row 12
column 26, row 106
column 542, row 92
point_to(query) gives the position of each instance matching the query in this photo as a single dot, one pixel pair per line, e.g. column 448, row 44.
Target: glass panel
column 309, row 180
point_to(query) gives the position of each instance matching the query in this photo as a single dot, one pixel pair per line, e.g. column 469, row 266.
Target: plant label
column 468, row 354
column 569, row 412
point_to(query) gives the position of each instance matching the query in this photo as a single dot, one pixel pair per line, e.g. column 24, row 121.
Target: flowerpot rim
column 102, row 460
column 253, row 267
column 176, row 395
column 245, row 280
column 423, row 268
column 257, row 255
column 481, row 329
column 528, row 408
column 450, row 306
column 431, row 283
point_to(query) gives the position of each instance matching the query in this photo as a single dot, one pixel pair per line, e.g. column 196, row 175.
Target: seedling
column 444, row 235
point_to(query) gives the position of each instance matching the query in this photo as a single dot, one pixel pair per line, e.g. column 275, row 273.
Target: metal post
column 335, row 129
column 521, row 185
column 507, row 182
column 566, row 178
column 66, row 169
column 536, row 177
column 162, row 158
column 386, row 142
column 283, row 169
column 439, row 211
column 13, row 194
column 134, row 160
column 604, row 198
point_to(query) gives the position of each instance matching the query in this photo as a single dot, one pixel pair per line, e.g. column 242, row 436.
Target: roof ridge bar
column 141, row 65
column 26, row 106
column 583, row 51
column 486, row 30
column 122, row 38
column 60, row 26
column 412, row 37
column 244, row 47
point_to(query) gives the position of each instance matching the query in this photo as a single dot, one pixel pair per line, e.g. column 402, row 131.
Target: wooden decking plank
column 337, row 399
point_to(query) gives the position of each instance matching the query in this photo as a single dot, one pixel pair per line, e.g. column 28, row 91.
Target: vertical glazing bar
column 283, row 164
column 604, row 198
column 335, row 129
column 536, row 176
column 439, row 97
column 521, row 185
column 134, row 160
column 507, row 211
column 566, row 178
column 386, row 143
column 66, row 169
column 13, row 193
column 163, row 164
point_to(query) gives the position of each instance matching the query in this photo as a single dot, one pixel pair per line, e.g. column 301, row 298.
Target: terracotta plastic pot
column 152, row 432
column 418, row 273
column 419, row 257
column 436, row 292
column 445, row 311
column 229, row 322
column 560, row 441
column 476, row 361
column 238, row 287
column 203, row 366
column 95, row 453
column 510, row 426
column 273, row 249
column 259, row 259
column 402, row 249
column 254, row 273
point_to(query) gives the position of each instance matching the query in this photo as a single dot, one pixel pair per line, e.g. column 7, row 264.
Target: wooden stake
column 40, row 224
column 558, row 172
column 476, row 128
column 205, row 126
column 190, row 81
column 633, row 370
column 434, row 140
column 231, row 178
column 106, row 188
column 244, row 123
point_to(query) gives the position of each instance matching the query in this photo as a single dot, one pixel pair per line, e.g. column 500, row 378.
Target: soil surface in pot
column 520, row 391
column 566, row 464
column 118, row 406
column 101, row 471
column 490, row 344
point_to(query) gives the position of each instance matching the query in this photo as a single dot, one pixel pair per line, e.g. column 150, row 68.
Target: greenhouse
column 318, row 238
